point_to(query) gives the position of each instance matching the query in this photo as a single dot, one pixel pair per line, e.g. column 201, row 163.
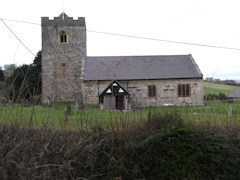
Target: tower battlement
column 63, row 20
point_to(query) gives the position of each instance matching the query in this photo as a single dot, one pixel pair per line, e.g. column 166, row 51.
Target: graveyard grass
column 214, row 113
column 187, row 142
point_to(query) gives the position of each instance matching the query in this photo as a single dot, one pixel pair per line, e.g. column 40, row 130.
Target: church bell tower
column 63, row 55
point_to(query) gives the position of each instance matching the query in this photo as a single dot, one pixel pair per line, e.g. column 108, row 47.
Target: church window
column 151, row 91
column 63, row 37
column 63, row 65
column 184, row 90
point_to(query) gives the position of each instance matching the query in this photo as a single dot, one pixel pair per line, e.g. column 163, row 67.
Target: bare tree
column 10, row 67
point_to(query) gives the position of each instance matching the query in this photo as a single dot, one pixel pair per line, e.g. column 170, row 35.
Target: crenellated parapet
column 63, row 20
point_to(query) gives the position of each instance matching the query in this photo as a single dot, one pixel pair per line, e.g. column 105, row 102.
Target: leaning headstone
column 68, row 109
column 65, row 115
column 67, row 112
column 9, row 103
column 22, row 102
column 230, row 111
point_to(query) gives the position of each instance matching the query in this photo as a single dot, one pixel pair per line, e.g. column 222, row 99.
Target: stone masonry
column 62, row 62
column 138, row 89
column 63, row 59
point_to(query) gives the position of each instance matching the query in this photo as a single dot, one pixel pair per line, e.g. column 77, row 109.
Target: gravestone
column 10, row 103
column 48, row 102
column 76, row 106
column 22, row 102
column 67, row 112
column 230, row 111
column 68, row 109
column 65, row 115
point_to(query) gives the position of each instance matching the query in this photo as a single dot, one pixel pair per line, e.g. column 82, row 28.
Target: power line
column 144, row 38
column 25, row 22
column 17, row 38
column 162, row 40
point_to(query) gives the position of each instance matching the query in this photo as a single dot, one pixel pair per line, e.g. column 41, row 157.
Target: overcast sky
column 207, row 22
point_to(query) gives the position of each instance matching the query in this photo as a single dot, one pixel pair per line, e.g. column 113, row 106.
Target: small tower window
column 63, row 37
column 63, row 65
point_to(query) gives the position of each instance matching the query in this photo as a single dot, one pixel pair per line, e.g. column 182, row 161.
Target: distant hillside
column 8, row 73
column 212, row 88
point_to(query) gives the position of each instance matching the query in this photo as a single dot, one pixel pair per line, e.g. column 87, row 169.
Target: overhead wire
column 17, row 37
column 162, row 40
column 132, row 36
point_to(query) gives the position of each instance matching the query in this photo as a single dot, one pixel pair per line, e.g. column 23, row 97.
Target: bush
column 163, row 147
column 222, row 96
column 210, row 97
column 184, row 153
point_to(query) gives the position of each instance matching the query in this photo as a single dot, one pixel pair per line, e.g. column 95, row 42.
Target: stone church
column 113, row 82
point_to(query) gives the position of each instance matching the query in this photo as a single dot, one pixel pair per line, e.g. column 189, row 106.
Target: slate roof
column 141, row 67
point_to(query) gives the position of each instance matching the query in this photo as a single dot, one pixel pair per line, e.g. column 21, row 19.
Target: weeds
column 162, row 146
column 152, row 143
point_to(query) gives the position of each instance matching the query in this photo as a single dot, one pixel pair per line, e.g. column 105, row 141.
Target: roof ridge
column 138, row 56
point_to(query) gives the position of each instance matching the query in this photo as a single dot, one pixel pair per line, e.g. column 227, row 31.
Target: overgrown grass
column 186, row 142
column 162, row 147
column 214, row 113
column 49, row 117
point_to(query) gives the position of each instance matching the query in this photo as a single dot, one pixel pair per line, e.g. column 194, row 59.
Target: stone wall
column 166, row 92
column 63, row 70
column 62, row 62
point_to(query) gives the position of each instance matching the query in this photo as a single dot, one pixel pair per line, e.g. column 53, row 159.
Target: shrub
column 183, row 153
column 210, row 97
column 222, row 96
column 162, row 147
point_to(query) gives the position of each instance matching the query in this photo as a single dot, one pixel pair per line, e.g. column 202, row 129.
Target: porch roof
column 113, row 88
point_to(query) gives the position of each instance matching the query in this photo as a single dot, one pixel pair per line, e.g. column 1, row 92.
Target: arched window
column 63, row 37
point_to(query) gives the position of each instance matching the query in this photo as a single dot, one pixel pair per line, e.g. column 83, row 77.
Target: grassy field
column 214, row 114
column 49, row 117
column 211, row 88
column 8, row 73
column 187, row 142
column 160, row 147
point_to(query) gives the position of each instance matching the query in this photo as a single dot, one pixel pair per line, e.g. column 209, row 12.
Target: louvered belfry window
column 63, row 37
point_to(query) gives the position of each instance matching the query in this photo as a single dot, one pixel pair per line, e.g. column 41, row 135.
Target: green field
column 211, row 88
column 8, row 73
column 187, row 142
column 152, row 143
column 214, row 112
